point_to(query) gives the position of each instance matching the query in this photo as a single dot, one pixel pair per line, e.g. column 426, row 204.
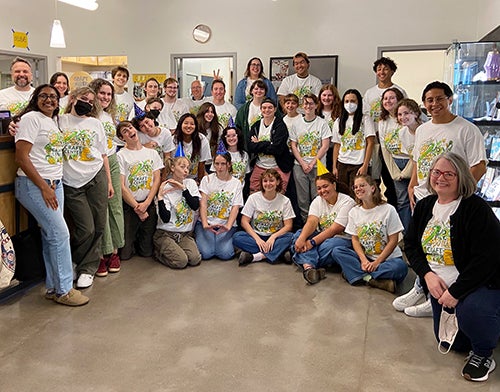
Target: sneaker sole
column 113, row 270
column 485, row 377
column 102, row 274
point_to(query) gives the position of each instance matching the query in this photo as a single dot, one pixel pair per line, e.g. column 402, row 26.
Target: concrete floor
column 218, row 327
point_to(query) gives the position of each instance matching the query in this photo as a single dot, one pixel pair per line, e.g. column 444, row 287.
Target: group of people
column 197, row 179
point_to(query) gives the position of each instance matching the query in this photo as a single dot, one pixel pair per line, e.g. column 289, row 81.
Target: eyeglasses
column 360, row 186
column 308, row 103
column 436, row 99
column 448, row 175
column 254, row 65
column 44, row 97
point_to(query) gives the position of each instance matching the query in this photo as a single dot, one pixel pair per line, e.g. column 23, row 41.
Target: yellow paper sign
column 79, row 79
column 20, row 39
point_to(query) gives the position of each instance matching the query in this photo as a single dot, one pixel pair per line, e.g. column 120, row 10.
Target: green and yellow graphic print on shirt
column 193, row 169
column 140, row 176
column 110, row 130
column 183, row 213
column 372, row 238
column 301, row 91
column 326, row 220
column 219, row 204
column 309, row 144
column 122, row 111
column 265, row 138
column 375, row 110
column 239, row 170
column 16, row 107
column 223, row 119
column 54, row 148
column 77, row 145
column 392, row 142
column 428, row 151
column 350, row 142
column 436, row 243
column 268, row 221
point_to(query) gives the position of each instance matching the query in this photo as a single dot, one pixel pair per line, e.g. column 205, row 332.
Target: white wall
column 149, row 31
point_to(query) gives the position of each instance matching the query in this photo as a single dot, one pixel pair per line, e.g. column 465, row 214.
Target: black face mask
column 82, row 108
column 155, row 113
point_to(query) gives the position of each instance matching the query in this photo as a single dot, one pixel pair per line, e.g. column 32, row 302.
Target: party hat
column 230, row 123
column 221, row 148
column 320, row 168
column 179, row 152
column 139, row 113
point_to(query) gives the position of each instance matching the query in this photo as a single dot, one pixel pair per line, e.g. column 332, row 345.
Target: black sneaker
column 245, row 259
column 287, row 257
column 477, row 368
column 311, row 275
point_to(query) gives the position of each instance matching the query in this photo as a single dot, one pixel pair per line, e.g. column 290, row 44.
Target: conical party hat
column 221, row 148
column 179, row 152
column 320, row 168
column 139, row 113
column 230, row 123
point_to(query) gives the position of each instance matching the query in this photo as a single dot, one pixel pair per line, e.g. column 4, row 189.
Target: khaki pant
column 175, row 250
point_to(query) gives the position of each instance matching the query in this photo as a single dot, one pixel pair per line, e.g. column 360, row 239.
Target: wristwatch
column 313, row 243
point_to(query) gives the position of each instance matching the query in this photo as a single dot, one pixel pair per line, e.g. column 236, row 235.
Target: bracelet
column 313, row 243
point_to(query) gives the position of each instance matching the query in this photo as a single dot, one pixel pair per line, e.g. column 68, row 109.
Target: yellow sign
column 20, row 39
column 79, row 79
column 140, row 81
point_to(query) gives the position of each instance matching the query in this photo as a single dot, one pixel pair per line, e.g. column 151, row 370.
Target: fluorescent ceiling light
column 57, row 35
column 90, row 5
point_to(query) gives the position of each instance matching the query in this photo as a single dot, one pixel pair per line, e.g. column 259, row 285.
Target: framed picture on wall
column 323, row 67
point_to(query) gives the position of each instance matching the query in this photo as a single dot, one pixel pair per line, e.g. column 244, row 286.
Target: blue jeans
column 321, row 255
column 478, row 317
column 394, row 269
column 214, row 245
column 243, row 240
column 55, row 234
column 403, row 201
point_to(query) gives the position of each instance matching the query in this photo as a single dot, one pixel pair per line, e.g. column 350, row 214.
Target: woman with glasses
column 254, row 71
column 39, row 154
column 452, row 244
column 374, row 258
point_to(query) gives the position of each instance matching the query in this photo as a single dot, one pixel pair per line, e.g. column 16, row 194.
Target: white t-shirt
column 407, row 141
column 458, row 136
column 328, row 118
column 267, row 216
column 63, row 102
column 224, row 111
column 14, row 100
column 291, row 122
column 194, row 105
column 84, row 146
column 309, row 136
column 137, row 166
column 182, row 217
column 352, row 147
column 47, row 144
column 373, row 228
column 176, row 109
column 266, row 161
column 372, row 101
column 221, row 197
column 436, row 242
column 329, row 214
column 204, row 155
column 166, row 120
column 389, row 134
column 300, row 86
column 164, row 141
column 240, row 164
column 124, row 106
column 254, row 114
column 110, row 130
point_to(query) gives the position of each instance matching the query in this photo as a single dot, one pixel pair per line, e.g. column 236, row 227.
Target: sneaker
column 321, row 273
column 383, row 284
column 477, row 368
column 50, row 294
column 411, row 298
column 72, row 298
column 84, row 281
column 311, row 275
column 287, row 257
column 422, row 310
column 245, row 259
column 103, row 267
column 114, row 263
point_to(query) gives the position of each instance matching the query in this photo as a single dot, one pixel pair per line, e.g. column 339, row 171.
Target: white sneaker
column 84, row 281
column 411, row 298
column 422, row 310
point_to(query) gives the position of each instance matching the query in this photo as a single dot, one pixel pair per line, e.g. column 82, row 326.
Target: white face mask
column 350, row 107
column 448, row 329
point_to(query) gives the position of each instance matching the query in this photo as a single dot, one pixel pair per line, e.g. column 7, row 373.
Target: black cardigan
column 475, row 240
column 278, row 146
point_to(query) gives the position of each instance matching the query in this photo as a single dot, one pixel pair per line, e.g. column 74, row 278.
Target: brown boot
column 383, row 284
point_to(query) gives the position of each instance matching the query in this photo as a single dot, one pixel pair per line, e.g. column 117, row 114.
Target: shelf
column 495, row 82
column 485, row 123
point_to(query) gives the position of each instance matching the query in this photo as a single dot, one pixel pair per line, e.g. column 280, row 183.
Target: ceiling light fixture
column 90, row 5
column 57, row 35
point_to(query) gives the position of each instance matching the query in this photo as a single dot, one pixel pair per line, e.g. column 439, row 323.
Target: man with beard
column 16, row 98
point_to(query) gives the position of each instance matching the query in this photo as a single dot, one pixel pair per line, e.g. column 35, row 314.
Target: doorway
column 190, row 67
column 38, row 67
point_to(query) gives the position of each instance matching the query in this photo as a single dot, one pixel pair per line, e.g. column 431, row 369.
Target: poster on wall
column 323, row 67
column 20, row 39
column 139, row 81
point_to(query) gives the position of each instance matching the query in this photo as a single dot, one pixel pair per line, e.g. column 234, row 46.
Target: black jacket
column 475, row 240
column 278, row 146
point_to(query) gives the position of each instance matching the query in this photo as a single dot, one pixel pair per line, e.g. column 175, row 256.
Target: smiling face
column 267, row 109
column 258, row 92
column 232, row 138
column 129, row 134
column 209, row 115
column 389, row 101
column 444, row 180
column 301, row 66
column 406, row 116
column 147, row 126
column 255, row 69
column 104, row 95
column 269, row 184
column 384, row 73
column 151, row 89
column 61, row 85
column 48, row 101
column 363, row 190
column 171, row 90
column 188, row 126
column 437, row 104
column 326, row 189
column 218, row 92
column 196, row 90
column 326, row 98
column 309, row 107
column 291, row 107
column 21, row 75
column 120, row 79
